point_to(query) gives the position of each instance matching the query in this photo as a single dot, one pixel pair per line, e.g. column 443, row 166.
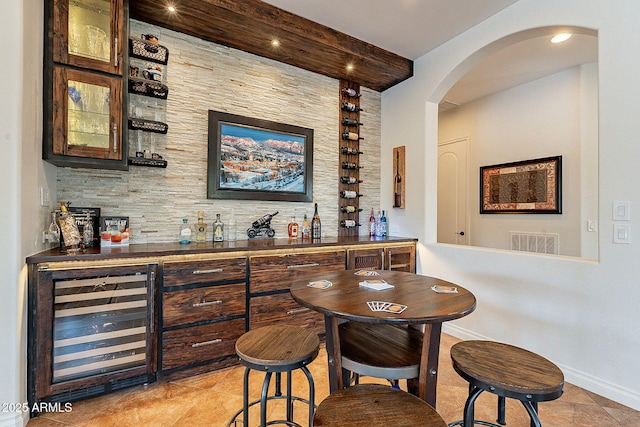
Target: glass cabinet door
column 87, row 115
column 88, row 34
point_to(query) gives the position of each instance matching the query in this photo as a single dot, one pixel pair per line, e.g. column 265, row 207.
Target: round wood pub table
column 345, row 299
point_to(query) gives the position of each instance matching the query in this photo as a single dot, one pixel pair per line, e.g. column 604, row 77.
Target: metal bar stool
column 506, row 371
column 367, row 405
column 276, row 349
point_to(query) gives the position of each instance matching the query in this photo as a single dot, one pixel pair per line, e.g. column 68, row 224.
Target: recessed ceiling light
column 349, row 67
column 559, row 38
column 275, row 43
column 171, row 8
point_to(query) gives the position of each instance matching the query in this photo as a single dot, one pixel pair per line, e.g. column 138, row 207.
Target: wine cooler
column 99, row 326
column 93, row 331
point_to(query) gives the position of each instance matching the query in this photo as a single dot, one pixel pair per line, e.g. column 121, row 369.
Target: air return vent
column 542, row 243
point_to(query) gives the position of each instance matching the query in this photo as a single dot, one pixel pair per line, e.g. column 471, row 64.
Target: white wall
column 534, row 120
column 20, row 171
column 581, row 314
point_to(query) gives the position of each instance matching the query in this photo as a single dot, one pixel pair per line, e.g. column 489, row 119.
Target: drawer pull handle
column 206, row 303
column 202, row 344
column 298, row 311
column 215, row 270
column 315, row 264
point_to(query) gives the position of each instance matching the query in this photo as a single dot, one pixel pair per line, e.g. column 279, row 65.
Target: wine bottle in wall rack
column 350, row 209
column 349, row 223
column 351, row 92
column 351, row 165
column 350, row 180
column 350, row 151
column 351, row 136
column 346, row 121
column 349, row 194
column 348, row 106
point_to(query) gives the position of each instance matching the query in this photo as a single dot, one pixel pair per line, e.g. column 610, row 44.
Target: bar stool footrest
column 234, row 419
column 475, row 422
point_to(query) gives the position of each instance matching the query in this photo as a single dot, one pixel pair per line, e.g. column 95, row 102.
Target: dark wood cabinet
column 85, row 48
column 89, row 34
column 100, row 321
column 270, row 278
column 203, row 313
column 87, row 115
column 91, row 330
column 400, row 258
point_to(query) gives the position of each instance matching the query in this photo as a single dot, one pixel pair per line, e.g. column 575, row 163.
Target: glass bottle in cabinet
column 89, row 34
column 87, row 118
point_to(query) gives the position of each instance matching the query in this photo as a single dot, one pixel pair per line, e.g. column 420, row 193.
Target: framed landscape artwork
column 530, row 186
column 258, row 159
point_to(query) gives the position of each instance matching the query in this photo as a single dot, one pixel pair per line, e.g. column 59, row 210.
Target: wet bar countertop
column 175, row 248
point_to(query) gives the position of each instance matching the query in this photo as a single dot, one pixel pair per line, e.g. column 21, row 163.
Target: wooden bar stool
column 367, row 405
column 380, row 350
column 506, row 371
column 276, row 349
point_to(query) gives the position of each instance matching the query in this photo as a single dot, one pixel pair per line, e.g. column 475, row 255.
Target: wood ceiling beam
column 251, row 25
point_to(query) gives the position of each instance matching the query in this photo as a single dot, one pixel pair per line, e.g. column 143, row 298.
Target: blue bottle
column 383, row 225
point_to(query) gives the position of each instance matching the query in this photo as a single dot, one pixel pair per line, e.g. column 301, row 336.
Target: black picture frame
column 256, row 159
column 528, row 186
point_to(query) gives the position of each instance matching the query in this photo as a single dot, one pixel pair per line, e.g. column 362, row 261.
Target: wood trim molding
column 251, row 25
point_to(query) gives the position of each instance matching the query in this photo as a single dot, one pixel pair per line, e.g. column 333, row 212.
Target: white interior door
column 452, row 192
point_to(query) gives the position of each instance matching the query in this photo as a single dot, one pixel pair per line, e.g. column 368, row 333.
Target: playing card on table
column 394, row 308
column 389, row 307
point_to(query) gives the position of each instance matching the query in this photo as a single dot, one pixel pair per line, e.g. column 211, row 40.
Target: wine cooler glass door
column 100, row 326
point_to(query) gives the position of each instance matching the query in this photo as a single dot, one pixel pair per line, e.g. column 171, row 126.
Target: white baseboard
column 14, row 419
column 581, row 379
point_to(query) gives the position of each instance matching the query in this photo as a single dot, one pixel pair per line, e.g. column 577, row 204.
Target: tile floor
column 211, row 400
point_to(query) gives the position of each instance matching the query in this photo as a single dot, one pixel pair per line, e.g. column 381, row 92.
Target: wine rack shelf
column 349, row 159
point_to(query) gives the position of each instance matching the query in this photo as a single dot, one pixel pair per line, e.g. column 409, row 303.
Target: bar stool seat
column 276, row 349
column 367, row 405
column 380, row 350
column 506, row 371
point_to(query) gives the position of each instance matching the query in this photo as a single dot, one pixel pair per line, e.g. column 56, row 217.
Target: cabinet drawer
column 269, row 273
column 282, row 308
column 208, row 303
column 190, row 272
column 200, row 343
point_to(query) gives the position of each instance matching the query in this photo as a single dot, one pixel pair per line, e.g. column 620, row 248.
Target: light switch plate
column 622, row 211
column 622, row 233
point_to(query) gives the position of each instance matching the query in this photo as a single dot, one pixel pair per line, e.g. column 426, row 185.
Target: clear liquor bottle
column 201, row 228
column 218, row 229
column 184, row 236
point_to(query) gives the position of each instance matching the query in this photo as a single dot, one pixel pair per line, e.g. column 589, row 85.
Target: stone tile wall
column 204, row 76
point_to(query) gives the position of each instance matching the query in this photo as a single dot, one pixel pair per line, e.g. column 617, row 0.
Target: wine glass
column 54, row 229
